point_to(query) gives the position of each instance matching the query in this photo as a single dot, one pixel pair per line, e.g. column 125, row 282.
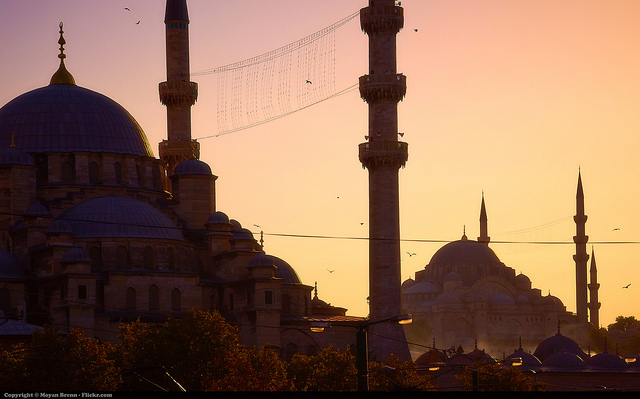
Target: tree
column 394, row 375
column 57, row 362
column 623, row 323
column 328, row 370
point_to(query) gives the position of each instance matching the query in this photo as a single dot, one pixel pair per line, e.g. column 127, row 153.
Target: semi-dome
column 119, row 217
column 70, row 118
column 192, row 167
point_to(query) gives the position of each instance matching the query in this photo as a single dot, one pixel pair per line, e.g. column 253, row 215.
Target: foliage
column 622, row 323
column 394, row 375
column 494, row 377
column 57, row 362
column 328, row 370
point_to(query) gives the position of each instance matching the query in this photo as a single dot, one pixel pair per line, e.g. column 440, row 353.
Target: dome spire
column 62, row 76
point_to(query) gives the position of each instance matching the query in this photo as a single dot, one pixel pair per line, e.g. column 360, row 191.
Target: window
column 96, row 259
column 147, row 258
column 154, row 297
column 286, row 304
column 82, row 292
column 268, row 297
column 68, row 172
column 94, row 173
column 118, row 170
column 176, row 300
column 131, row 298
column 122, row 257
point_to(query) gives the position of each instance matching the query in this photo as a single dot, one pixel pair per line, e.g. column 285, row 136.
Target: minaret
column 178, row 93
column 594, row 305
column 383, row 155
column 581, row 257
column 484, row 230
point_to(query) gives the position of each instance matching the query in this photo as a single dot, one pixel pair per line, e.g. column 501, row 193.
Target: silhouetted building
column 96, row 231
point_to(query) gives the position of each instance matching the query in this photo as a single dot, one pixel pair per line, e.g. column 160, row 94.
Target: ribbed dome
column 607, row 361
column 69, row 118
column 114, row 216
column 218, row 218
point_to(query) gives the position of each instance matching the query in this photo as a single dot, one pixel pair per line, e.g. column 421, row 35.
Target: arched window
column 290, row 350
column 68, row 172
column 147, row 258
column 122, row 257
column 42, row 168
column 131, row 298
column 171, row 259
column 154, row 297
column 118, row 170
column 140, row 173
column 286, row 304
column 176, row 300
column 94, row 173
column 96, row 259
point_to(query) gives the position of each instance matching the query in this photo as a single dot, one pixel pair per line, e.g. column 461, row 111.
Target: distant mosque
column 466, row 297
column 96, row 231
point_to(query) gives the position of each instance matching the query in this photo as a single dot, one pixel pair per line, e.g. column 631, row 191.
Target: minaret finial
column 62, row 76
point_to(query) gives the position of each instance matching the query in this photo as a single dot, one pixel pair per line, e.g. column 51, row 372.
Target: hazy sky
column 506, row 97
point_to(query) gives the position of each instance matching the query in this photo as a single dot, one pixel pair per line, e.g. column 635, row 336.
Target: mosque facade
column 96, row 231
column 466, row 296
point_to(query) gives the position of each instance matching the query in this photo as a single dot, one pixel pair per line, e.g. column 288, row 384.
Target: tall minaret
column 178, row 93
column 594, row 305
column 383, row 155
column 484, row 230
column 581, row 257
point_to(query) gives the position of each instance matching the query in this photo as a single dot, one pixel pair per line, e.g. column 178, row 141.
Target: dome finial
column 13, row 142
column 464, row 233
column 62, row 76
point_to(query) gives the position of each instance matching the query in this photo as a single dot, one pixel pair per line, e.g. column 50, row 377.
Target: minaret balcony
column 178, row 93
column 378, row 19
column 384, row 153
column 392, row 87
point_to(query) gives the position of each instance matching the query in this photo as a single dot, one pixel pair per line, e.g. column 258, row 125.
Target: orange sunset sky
column 507, row 97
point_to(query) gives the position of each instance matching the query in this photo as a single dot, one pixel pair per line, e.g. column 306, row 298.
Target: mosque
column 465, row 296
column 96, row 231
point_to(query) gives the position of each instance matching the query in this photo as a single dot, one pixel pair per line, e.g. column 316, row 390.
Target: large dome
column 70, row 118
column 464, row 252
column 119, row 217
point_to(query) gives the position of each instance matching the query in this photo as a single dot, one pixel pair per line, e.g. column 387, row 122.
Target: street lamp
column 362, row 348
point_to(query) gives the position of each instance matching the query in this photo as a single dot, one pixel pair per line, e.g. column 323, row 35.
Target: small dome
column 192, row 167
column 522, row 281
column 218, row 218
column 528, row 360
column 607, row 361
column 453, row 276
column 242, row 234
column 422, row 287
column 37, row 209
column 121, row 217
column 501, row 299
column 408, row 283
column 13, row 156
column 285, row 271
column 558, row 344
column 523, row 299
column 9, row 266
column 564, row 360
column 261, row 260
column 76, row 255
column 447, row 298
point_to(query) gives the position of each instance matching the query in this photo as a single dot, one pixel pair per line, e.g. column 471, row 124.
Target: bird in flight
column 411, row 253
column 126, row 8
column 617, row 228
column 627, row 286
column 330, row 271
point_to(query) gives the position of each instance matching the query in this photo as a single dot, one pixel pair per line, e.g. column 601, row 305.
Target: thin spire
column 62, row 76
